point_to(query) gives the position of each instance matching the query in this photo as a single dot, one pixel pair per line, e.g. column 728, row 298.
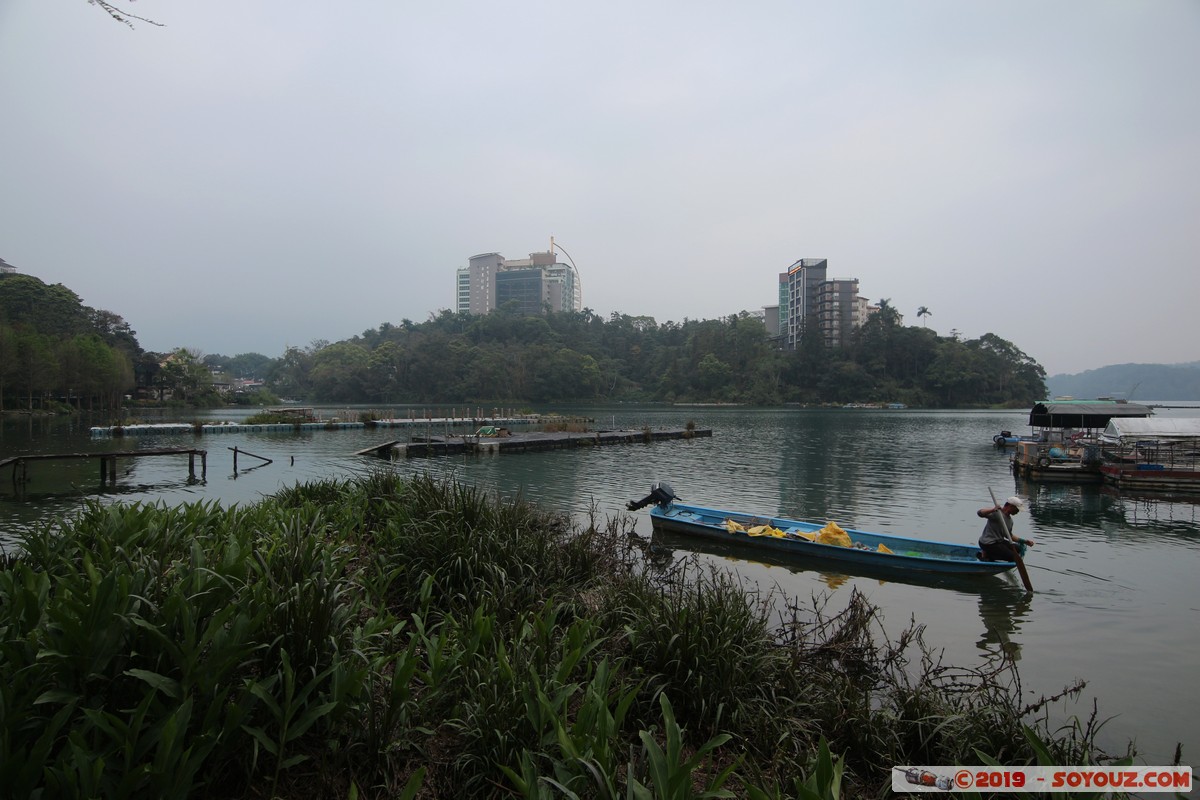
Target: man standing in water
column 997, row 541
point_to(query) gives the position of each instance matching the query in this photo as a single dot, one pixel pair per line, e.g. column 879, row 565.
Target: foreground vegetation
column 380, row 638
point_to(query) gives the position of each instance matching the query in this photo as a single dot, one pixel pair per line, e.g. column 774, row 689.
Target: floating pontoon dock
column 524, row 442
column 429, row 423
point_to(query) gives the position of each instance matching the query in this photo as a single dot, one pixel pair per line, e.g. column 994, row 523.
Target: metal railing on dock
column 108, row 462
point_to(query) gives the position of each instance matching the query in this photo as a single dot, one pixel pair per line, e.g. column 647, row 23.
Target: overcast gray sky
column 266, row 173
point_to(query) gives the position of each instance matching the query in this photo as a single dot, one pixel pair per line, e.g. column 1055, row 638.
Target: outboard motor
column 660, row 493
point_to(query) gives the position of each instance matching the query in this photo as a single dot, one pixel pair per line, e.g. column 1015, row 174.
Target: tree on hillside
column 1011, row 374
column 384, row 365
column 35, row 365
column 712, row 376
column 54, row 310
column 8, row 360
column 878, row 344
column 956, row 374
column 184, row 375
column 107, row 372
column 887, row 314
column 340, row 373
column 923, row 312
column 288, row 378
column 806, row 366
column 114, row 330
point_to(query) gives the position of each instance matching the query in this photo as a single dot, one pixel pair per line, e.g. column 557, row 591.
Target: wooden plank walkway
column 524, row 442
column 381, row 450
column 431, row 423
column 108, row 462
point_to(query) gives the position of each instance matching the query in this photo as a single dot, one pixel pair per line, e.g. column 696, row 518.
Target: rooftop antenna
column 578, row 279
column 554, row 245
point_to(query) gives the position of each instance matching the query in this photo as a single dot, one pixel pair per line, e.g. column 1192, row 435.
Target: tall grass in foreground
column 382, row 638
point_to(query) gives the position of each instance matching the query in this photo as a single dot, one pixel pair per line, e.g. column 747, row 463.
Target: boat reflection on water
column 736, row 550
column 1072, row 507
column 1165, row 514
column 1003, row 602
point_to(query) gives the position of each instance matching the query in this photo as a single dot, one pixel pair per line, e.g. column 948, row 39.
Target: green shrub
column 385, row 638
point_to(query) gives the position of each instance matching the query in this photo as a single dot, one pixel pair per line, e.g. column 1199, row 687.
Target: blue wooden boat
column 880, row 553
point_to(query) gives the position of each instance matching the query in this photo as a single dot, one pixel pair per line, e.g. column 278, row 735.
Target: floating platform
column 174, row 428
column 525, row 442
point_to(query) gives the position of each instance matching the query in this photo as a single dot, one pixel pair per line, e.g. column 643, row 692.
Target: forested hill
column 581, row 356
column 54, row 349
column 1132, row 382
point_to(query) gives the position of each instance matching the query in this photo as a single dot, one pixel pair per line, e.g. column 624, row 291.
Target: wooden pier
column 524, row 442
column 108, row 462
column 446, row 423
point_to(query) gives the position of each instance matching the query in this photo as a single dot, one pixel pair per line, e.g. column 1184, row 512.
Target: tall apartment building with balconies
column 837, row 310
column 531, row 285
column 812, row 304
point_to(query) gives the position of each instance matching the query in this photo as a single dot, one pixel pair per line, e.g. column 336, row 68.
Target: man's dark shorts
column 1000, row 551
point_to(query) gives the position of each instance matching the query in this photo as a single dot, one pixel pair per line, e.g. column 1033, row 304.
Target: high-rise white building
column 531, row 285
column 477, row 283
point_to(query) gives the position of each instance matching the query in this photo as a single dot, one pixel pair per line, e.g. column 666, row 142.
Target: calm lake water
column 1116, row 600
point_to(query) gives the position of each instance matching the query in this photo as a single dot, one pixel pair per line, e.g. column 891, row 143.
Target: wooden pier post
column 263, row 459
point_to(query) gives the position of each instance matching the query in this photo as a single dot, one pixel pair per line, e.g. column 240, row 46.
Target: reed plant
column 271, row 418
column 380, row 637
column 701, row 637
column 566, row 426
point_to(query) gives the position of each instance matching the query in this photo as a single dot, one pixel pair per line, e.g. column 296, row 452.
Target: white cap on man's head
column 1016, row 502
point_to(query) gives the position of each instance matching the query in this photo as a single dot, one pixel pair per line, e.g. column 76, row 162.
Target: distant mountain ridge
column 1131, row 382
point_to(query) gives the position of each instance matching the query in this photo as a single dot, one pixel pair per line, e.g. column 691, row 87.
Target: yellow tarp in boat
column 833, row 534
column 764, row 530
column 883, row 548
column 733, row 527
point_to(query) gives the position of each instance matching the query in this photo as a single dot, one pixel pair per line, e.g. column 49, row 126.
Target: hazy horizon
column 243, row 181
